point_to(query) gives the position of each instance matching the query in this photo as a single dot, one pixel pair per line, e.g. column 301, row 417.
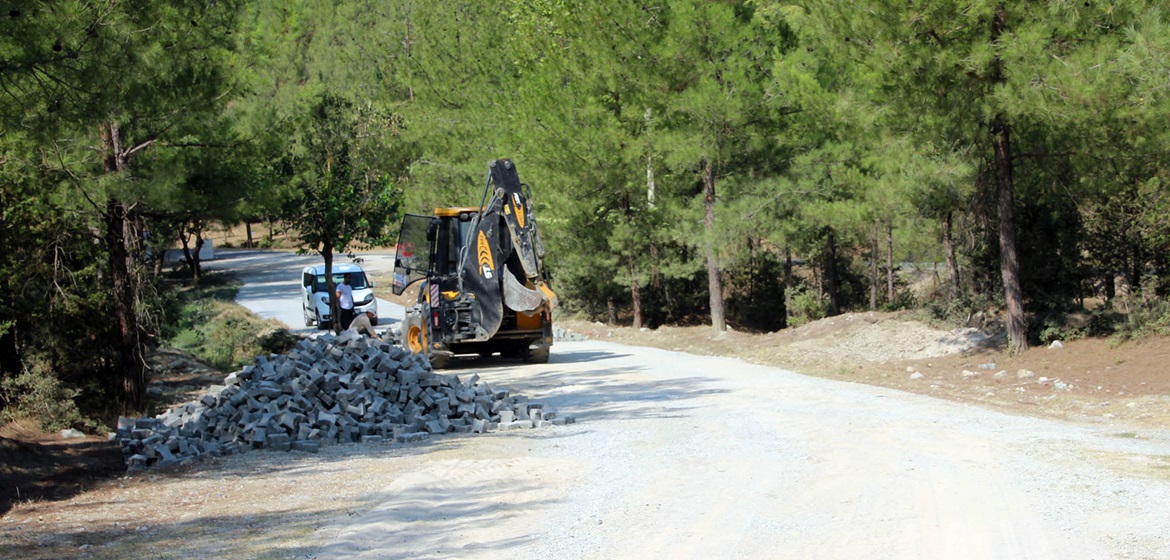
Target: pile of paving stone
column 328, row 390
column 567, row 335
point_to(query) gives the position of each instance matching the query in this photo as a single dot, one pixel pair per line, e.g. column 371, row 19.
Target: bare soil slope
column 1090, row 379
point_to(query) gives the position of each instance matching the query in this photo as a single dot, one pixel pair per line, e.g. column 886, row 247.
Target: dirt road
column 673, row 456
column 678, row 456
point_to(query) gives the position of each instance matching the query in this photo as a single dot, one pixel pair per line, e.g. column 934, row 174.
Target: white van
column 315, row 293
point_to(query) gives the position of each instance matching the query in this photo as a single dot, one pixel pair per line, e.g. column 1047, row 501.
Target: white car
column 315, row 293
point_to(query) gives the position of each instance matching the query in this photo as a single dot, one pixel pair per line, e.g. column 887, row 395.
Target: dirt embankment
column 1090, row 379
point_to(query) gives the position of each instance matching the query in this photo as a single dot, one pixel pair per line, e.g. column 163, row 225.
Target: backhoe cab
column 484, row 286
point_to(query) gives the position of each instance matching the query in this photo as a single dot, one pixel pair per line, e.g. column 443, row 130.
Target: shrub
column 903, row 299
column 804, row 306
column 958, row 310
column 1052, row 326
column 207, row 323
column 1145, row 318
column 37, row 393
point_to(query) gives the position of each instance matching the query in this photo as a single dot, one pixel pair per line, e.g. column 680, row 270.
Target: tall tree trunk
column 9, row 351
column 949, row 251
column 651, row 189
column 248, row 228
column 787, row 283
column 334, row 305
column 831, row 275
column 890, row 263
column 1136, row 263
column 873, row 272
column 191, row 255
column 1009, row 259
column 753, row 266
column 611, row 309
column 714, row 284
column 196, row 261
column 131, row 361
column 636, row 299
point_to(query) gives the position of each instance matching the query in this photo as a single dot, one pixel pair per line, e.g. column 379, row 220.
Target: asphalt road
column 272, row 283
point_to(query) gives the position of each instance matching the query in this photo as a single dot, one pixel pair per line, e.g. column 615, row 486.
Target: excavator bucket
column 519, row 297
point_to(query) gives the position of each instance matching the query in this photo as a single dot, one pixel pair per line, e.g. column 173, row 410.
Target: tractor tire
column 516, row 350
column 439, row 361
column 536, row 355
column 415, row 337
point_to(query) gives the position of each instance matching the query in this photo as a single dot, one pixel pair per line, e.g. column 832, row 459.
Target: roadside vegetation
column 746, row 165
column 206, row 322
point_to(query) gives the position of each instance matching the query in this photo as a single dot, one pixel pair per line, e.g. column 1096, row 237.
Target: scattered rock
column 916, row 376
column 1024, row 374
column 1056, row 344
column 70, row 433
column 969, row 374
column 987, row 366
column 1000, row 374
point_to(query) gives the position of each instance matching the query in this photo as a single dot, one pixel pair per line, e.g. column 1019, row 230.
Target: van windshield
column 357, row 281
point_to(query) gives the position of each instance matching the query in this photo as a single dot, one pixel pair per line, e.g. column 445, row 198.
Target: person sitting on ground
column 362, row 323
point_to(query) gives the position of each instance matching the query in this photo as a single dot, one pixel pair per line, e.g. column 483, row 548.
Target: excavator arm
column 502, row 263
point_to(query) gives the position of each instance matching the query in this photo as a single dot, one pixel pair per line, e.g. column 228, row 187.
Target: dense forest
column 742, row 162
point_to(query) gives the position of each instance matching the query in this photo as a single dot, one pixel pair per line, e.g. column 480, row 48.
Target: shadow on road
column 603, row 391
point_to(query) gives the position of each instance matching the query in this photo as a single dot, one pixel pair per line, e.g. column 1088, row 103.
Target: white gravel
column 679, row 456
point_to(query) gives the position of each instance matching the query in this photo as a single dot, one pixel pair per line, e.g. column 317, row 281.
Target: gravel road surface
column 683, row 456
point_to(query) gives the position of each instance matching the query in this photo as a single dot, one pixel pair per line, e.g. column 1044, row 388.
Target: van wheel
column 309, row 320
column 321, row 324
